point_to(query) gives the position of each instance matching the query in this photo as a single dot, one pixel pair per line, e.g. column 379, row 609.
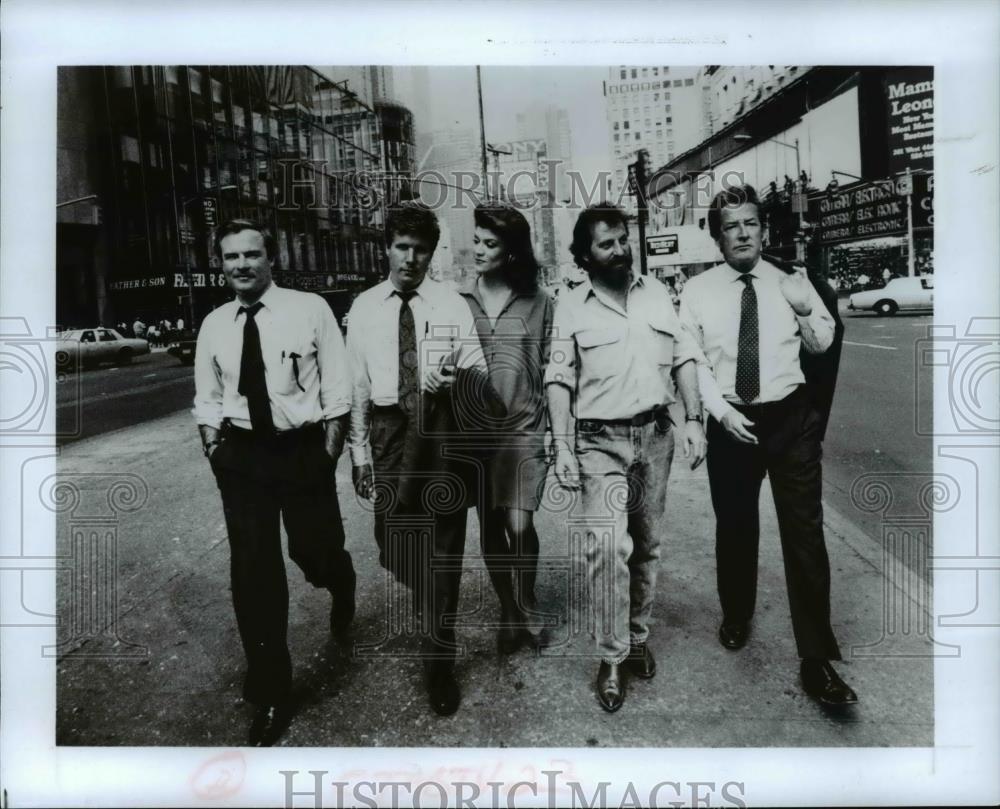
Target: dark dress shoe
column 640, row 661
column 734, row 635
column 823, row 684
column 443, row 691
column 269, row 722
column 342, row 610
column 610, row 686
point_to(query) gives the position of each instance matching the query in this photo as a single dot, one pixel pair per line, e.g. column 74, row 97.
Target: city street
column 98, row 400
column 174, row 665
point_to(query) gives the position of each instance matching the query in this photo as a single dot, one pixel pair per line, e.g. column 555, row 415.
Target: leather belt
column 640, row 420
column 229, row 430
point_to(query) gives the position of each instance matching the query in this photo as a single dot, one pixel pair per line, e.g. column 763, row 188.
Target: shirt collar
column 267, row 299
column 736, row 275
column 587, row 287
column 422, row 291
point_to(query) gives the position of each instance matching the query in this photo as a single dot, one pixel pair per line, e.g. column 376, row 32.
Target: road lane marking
column 870, row 345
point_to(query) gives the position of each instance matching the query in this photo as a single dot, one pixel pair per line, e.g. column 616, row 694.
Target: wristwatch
column 207, row 449
column 697, row 418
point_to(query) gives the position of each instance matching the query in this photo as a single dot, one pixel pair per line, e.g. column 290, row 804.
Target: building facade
column 160, row 155
column 657, row 108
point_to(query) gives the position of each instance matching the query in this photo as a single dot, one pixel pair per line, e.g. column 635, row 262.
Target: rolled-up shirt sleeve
column 562, row 368
column 711, row 395
column 334, row 369
column 207, row 381
column 361, row 390
column 818, row 328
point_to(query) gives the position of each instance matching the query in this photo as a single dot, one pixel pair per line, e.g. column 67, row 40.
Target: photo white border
column 958, row 37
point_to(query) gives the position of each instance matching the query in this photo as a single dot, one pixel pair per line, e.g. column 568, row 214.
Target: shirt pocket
column 600, row 352
column 664, row 341
column 291, row 356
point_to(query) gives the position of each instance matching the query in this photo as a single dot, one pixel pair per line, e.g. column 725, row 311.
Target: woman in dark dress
column 514, row 321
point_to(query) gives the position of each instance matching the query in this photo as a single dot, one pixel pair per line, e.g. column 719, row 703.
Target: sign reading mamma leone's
column 909, row 93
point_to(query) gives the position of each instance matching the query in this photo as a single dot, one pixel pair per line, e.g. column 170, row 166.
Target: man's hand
column 567, row 469
column 695, row 445
column 364, row 481
column 738, row 426
column 798, row 290
column 438, row 380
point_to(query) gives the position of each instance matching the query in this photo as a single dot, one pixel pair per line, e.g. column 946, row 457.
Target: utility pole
column 638, row 171
column 482, row 131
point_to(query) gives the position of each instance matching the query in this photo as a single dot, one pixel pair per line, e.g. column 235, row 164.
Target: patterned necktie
column 748, row 353
column 407, row 391
column 252, row 381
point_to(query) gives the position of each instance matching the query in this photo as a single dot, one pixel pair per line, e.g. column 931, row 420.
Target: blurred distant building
column 454, row 156
column 657, row 108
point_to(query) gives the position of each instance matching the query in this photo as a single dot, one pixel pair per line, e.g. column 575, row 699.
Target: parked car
column 94, row 346
column 898, row 294
column 181, row 344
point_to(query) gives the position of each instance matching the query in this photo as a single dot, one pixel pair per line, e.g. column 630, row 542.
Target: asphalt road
column 872, row 425
column 96, row 401
column 880, row 390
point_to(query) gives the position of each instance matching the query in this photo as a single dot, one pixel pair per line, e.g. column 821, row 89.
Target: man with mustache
column 272, row 402
column 752, row 319
column 617, row 351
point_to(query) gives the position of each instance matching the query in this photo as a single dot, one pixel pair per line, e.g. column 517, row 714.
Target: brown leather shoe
column 610, row 686
column 640, row 661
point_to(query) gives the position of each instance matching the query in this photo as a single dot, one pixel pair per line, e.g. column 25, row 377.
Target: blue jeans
column 624, row 471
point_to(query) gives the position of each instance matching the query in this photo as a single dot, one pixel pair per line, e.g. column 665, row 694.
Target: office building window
column 617, row 137
column 638, row 136
column 633, row 73
column 625, row 125
column 656, row 71
column 680, row 83
column 688, row 82
column 624, row 76
column 616, row 125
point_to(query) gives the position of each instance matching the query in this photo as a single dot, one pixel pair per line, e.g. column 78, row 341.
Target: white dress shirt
column 290, row 323
column 446, row 335
column 618, row 362
column 710, row 310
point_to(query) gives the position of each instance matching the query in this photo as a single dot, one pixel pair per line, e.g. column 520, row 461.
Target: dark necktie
column 252, row 382
column 408, row 388
column 748, row 353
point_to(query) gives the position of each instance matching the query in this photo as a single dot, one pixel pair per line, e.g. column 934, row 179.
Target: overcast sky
column 510, row 90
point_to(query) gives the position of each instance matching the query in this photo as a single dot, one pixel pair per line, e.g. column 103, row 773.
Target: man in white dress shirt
column 272, row 403
column 751, row 319
column 408, row 337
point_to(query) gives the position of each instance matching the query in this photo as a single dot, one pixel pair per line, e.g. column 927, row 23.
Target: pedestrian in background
column 411, row 339
column 272, row 402
column 751, row 319
column 617, row 350
column 513, row 318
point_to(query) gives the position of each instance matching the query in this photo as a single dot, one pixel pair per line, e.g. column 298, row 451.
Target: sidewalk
column 174, row 600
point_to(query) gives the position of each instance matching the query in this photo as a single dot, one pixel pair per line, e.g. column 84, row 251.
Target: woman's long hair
column 509, row 225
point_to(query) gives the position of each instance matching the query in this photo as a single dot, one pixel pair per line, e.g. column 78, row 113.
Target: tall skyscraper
column 660, row 109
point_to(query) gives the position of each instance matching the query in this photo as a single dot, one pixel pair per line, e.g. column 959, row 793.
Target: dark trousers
column 421, row 545
column 790, row 452
column 290, row 478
